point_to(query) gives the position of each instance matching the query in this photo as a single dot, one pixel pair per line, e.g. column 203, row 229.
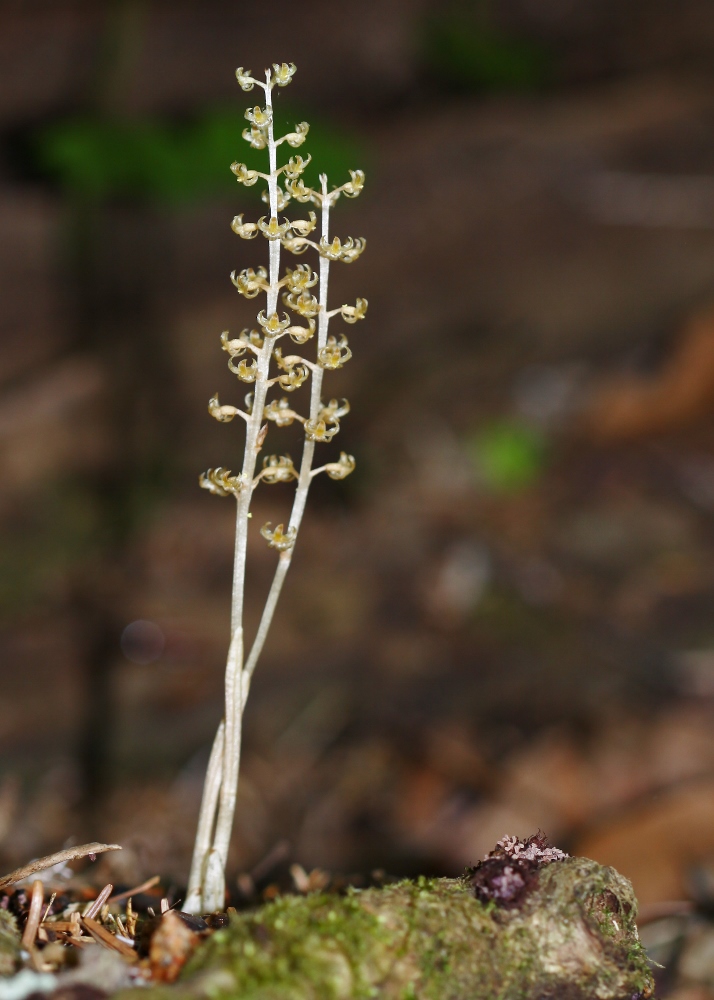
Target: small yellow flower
column 282, row 74
column 341, row 469
column 279, row 538
column 244, row 78
column 347, row 251
column 277, row 469
column 334, row 354
column 246, row 230
column 249, row 282
column 220, row 482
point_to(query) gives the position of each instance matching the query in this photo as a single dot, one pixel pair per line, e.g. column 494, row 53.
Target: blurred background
column 504, row 620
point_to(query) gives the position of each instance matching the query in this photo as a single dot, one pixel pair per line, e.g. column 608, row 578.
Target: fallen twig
column 109, row 940
column 96, row 904
column 53, row 897
column 42, row 864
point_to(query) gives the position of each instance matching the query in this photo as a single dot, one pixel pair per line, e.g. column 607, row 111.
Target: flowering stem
column 206, row 889
column 213, row 867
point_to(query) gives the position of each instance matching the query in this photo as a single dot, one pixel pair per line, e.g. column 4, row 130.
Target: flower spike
column 256, row 357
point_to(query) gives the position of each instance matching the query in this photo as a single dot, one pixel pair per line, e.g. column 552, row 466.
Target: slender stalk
column 206, row 890
column 214, row 884
column 206, row 819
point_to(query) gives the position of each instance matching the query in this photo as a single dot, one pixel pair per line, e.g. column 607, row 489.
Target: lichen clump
column 573, row 937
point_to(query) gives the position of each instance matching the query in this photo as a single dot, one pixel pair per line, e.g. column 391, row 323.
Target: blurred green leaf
column 158, row 161
column 52, row 533
column 470, row 54
column 508, row 456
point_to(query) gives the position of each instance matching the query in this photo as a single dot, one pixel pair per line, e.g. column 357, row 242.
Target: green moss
column 574, row 938
column 332, row 943
column 9, row 944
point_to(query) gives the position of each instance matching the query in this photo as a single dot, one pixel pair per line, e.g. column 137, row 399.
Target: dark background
column 503, row 620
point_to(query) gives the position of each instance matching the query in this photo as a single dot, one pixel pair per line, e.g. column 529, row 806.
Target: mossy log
column 572, row 938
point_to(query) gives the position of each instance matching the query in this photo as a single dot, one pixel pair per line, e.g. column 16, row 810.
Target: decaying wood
column 571, row 935
column 42, row 864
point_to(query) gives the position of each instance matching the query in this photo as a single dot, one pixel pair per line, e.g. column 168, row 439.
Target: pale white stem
column 214, row 893
column 206, row 818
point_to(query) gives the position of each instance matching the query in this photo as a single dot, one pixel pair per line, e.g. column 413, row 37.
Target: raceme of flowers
column 291, row 370
column 290, row 346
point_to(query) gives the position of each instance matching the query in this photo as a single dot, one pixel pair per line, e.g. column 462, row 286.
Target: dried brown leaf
column 171, row 946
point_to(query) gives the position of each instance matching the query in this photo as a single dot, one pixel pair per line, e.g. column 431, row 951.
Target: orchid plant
column 256, row 356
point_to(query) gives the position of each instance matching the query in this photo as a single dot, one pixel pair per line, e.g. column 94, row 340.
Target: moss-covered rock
column 572, row 938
